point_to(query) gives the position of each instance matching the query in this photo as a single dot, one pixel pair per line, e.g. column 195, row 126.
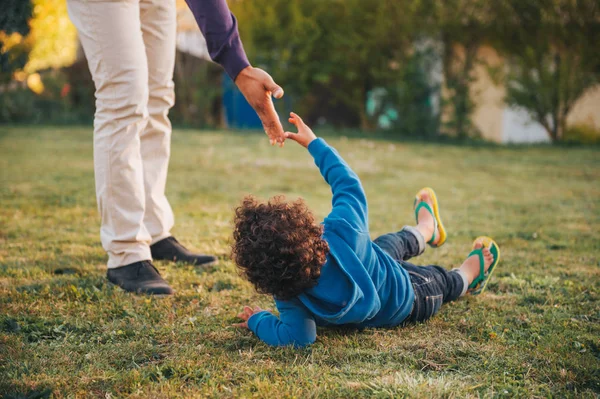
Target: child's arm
column 295, row 326
column 349, row 199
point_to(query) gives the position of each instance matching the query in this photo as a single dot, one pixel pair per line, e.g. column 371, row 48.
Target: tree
column 14, row 25
column 463, row 27
column 553, row 59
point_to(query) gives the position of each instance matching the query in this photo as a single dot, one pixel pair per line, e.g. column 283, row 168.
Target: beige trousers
column 130, row 48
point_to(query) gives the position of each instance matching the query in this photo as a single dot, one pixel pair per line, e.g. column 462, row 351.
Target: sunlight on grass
column 65, row 330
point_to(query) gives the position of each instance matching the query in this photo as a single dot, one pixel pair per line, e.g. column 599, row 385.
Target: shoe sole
column 140, row 292
column 487, row 243
column 436, row 215
column 183, row 262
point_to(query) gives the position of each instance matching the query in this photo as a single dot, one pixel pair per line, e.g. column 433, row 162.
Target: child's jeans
column 433, row 285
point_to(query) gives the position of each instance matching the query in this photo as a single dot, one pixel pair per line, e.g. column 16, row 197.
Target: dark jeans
column 433, row 285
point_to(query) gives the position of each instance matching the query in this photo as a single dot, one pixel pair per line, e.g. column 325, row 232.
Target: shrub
column 582, row 134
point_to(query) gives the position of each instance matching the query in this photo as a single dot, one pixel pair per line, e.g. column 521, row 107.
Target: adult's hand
column 258, row 87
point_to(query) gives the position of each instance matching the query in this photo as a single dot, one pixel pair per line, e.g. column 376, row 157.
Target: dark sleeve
column 219, row 27
column 349, row 200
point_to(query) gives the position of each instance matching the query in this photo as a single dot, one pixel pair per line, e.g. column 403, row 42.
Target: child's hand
column 304, row 136
column 246, row 314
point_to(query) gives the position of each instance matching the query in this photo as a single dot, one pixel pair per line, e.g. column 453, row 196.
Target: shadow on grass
column 52, row 262
column 16, row 392
column 36, row 329
column 225, row 343
column 73, row 285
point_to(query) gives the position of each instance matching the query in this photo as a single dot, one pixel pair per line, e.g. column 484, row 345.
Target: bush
column 408, row 106
column 68, row 96
column 64, row 100
column 197, row 92
column 13, row 20
column 582, row 134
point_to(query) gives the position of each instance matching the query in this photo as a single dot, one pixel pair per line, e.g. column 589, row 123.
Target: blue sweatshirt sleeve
column 349, row 200
column 295, row 325
column 219, row 27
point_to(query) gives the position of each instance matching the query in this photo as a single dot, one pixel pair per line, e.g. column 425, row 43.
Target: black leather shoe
column 170, row 249
column 139, row 277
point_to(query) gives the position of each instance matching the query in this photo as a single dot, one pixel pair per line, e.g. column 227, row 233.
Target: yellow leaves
column 51, row 42
column 53, row 38
column 35, row 84
column 20, row 76
column 10, row 40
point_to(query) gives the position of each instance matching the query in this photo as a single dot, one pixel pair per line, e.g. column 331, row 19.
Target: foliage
column 330, row 54
column 553, row 57
column 63, row 327
column 53, row 37
column 14, row 25
column 35, row 35
column 409, row 106
column 66, row 99
column 197, row 91
column 333, row 57
column 582, row 134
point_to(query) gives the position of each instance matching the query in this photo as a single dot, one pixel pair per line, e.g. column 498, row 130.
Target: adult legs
column 158, row 24
column 111, row 35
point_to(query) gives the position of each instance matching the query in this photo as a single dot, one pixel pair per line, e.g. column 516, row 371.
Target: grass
column 65, row 332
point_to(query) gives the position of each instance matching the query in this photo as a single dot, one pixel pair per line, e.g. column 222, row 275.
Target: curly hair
column 278, row 246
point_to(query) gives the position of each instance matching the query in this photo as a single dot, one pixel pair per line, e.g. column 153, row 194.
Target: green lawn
column 64, row 329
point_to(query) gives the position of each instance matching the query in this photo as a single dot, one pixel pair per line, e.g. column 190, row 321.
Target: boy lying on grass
column 334, row 274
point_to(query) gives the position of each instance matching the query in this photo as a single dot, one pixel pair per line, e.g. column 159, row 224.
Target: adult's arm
column 219, row 27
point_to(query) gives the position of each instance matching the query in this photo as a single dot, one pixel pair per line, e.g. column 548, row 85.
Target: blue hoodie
column 360, row 284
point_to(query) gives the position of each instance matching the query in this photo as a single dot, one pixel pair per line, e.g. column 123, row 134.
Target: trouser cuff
column 160, row 237
column 418, row 236
column 465, row 280
column 123, row 259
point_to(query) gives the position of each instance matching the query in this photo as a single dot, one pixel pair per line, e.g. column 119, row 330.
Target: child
column 333, row 274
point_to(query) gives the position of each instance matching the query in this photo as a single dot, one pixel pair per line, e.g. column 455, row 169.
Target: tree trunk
column 558, row 123
column 551, row 128
column 365, row 122
column 458, row 83
column 562, row 126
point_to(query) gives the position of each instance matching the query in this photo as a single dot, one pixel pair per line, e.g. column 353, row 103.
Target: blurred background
column 503, row 71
